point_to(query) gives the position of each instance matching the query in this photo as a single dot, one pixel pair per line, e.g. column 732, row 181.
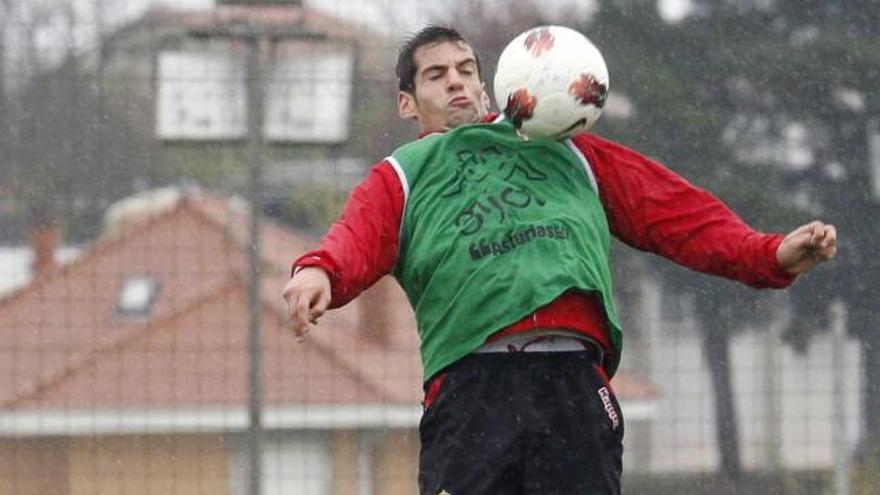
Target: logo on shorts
column 609, row 407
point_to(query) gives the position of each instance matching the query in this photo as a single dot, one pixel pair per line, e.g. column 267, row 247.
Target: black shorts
column 522, row 423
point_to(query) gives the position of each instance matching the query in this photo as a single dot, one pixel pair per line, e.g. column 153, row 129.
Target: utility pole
column 255, row 112
column 258, row 39
column 253, row 37
column 838, row 318
column 872, row 131
column 3, row 108
column 100, row 66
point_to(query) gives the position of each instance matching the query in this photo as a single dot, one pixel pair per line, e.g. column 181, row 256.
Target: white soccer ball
column 551, row 82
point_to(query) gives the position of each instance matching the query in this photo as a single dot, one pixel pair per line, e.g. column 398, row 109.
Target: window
column 293, row 462
column 137, row 297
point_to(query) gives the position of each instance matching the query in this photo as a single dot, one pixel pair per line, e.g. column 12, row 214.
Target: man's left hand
column 807, row 246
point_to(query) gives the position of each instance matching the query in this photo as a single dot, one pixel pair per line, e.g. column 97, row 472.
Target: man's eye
column 433, row 75
column 467, row 69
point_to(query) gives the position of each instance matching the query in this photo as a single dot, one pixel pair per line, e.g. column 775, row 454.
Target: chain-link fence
column 144, row 344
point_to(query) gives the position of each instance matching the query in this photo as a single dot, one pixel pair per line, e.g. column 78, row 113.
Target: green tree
column 817, row 64
column 835, row 69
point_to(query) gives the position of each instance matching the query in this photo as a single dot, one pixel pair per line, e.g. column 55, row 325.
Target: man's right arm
column 359, row 248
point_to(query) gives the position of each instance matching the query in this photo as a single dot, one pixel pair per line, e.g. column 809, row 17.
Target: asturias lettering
column 513, row 240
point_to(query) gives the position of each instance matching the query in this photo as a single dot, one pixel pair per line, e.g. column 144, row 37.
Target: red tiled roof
column 192, row 350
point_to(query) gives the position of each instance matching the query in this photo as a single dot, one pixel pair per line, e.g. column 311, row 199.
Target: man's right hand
column 307, row 295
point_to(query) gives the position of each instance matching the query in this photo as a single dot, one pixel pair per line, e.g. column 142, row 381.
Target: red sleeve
column 362, row 245
column 653, row 209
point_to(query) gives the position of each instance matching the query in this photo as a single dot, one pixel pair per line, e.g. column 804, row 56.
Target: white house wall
column 784, row 399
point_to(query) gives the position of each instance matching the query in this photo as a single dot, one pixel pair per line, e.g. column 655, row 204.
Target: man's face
column 448, row 90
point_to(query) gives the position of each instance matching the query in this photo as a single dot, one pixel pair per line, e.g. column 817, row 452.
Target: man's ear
column 406, row 106
column 487, row 102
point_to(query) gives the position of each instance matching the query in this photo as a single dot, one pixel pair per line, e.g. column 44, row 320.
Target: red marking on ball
column 520, row 106
column 539, row 41
column 588, row 90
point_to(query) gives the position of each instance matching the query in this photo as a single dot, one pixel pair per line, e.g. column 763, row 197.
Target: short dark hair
column 406, row 58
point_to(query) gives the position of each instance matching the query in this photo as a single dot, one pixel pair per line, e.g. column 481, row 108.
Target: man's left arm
column 653, row 209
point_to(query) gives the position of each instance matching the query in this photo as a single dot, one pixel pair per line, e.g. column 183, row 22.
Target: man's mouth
column 460, row 102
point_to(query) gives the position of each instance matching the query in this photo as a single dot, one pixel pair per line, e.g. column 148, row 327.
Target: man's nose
column 454, row 79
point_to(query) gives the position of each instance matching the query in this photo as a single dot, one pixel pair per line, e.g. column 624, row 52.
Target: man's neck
column 487, row 118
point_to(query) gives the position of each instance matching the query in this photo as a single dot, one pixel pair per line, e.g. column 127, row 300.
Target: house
column 163, row 98
column 126, row 370
column 175, row 79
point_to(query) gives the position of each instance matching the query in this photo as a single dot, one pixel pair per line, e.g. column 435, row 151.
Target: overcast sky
column 401, row 16
column 392, row 17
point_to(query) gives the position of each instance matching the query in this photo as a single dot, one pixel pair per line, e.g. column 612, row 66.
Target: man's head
column 439, row 80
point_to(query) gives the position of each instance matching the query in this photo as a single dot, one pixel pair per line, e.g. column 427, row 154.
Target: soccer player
column 502, row 248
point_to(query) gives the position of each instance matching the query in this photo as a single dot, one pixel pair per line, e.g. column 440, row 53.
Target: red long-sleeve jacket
column 648, row 207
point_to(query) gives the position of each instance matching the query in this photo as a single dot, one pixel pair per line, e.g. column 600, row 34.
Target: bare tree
column 70, row 148
column 4, row 129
